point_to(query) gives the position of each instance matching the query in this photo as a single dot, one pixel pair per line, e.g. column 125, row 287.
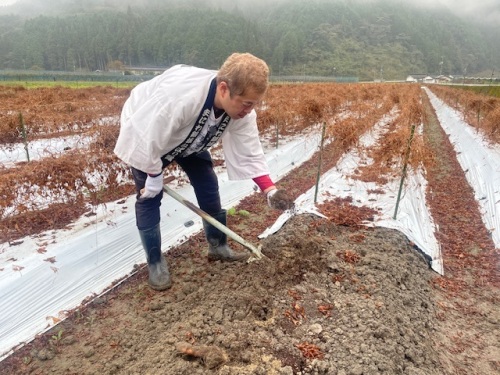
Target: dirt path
column 468, row 296
column 331, row 299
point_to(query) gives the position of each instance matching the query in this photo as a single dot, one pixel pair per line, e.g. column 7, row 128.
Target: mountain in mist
column 369, row 39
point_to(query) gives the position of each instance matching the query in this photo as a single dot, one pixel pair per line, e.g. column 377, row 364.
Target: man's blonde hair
column 243, row 71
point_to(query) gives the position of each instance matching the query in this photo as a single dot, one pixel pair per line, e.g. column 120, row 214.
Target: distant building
column 416, row 77
column 443, row 79
column 424, row 78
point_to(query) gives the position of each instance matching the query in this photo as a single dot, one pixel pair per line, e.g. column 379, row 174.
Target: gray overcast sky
column 462, row 5
column 479, row 8
column 489, row 10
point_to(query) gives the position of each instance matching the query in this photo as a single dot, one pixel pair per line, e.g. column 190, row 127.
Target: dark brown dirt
column 331, row 299
column 322, row 303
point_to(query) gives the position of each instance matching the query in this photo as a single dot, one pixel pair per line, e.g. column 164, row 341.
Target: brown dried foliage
column 400, row 145
column 53, row 112
column 211, row 356
column 349, row 256
column 310, row 351
column 479, row 110
column 342, row 212
column 348, row 111
column 296, row 314
column 326, row 309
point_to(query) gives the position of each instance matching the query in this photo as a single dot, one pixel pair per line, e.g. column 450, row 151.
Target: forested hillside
column 381, row 40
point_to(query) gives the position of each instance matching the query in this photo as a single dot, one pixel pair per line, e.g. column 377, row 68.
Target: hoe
column 256, row 251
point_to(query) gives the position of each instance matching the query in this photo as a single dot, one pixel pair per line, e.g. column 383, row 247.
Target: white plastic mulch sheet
column 413, row 218
column 480, row 161
column 42, row 278
column 36, row 288
column 39, row 149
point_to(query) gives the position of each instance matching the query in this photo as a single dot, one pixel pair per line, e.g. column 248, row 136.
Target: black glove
column 279, row 200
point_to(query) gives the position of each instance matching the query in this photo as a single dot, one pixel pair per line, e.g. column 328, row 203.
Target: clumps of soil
column 281, row 200
column 360, row 301
column 211, row 356
column 328, row 299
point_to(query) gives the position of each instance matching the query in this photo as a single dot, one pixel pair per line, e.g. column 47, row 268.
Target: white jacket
column 160, row 113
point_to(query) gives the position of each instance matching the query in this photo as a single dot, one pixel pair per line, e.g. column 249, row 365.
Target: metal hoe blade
column 255, row 250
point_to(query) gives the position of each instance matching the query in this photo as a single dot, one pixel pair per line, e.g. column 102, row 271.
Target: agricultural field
column 338, row 294
column 491, row 90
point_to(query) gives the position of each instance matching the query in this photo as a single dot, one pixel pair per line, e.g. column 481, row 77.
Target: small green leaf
column 231, row 211
column 243, row 213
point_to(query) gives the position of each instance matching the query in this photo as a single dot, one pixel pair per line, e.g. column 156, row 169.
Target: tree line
column 371, row 41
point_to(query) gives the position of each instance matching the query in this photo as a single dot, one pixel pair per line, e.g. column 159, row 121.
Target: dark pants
column 199, row 169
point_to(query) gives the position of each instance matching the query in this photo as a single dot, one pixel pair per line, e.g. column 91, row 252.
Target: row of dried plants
column 55, row 112
column 478, row 109
column 83, row 178
column 403, row 143
column 37, row 193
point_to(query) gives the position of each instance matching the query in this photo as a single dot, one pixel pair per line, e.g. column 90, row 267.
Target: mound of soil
column 328, row 300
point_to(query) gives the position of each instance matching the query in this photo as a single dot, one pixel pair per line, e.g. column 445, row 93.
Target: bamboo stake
column 403, row 175
column 25, row 136
column 319, row 162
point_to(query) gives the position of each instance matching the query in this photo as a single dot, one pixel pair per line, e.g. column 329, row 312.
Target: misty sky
column 7, row 2
column 489, row 10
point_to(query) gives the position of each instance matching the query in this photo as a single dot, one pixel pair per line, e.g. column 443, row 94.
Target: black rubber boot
column 159, row 276
column 217, row 242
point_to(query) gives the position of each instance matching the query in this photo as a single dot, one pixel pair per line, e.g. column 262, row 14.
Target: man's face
column 238, row 106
